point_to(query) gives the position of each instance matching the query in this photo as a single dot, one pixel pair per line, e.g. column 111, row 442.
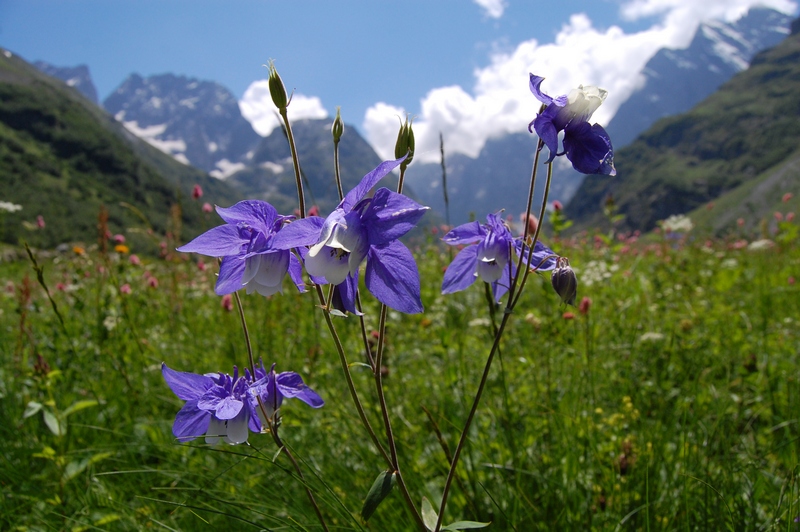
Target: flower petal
column 236, row 428
column 230, row 276
column 290, row 384
column 468, row 233
column 220, row 241
column 329, row 263
column 392, row 277
column 191, row 422
column 390, row 215
column 216, row 432
column 257, row 214
column 367, row 182
column 461, row 273
column 589, row 149
column 187, row 386
column 304, row 232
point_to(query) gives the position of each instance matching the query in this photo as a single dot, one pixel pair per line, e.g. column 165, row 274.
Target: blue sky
column 458, row 66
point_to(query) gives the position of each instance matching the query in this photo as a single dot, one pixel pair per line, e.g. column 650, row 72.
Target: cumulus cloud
column 257, row 108
column 493, row 8
column 500, row 101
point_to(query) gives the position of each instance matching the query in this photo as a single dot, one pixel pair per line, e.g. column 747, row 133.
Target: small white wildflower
column 111, row 322
column 758, row 245
column 9, row 207
column 651, row 337
column 677, row 223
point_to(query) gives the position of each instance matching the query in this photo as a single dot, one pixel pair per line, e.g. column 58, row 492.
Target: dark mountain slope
column 62, row 157
column 750, row 125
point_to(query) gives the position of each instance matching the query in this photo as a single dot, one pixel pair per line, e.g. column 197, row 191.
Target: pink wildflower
column 586, row 304
column 119, row 239
column 786, row 197
column 207, row 207
column 227, row 302
column 125, row 289
column 152, row 282
column 197, row 192
column 134, row 259
column 40, row 222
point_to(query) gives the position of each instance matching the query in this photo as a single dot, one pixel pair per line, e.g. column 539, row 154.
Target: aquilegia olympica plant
column 361, row 227
column 249, row 259
column 223, row 408
column 588, row 147
column 258, row 247
column 488, row 256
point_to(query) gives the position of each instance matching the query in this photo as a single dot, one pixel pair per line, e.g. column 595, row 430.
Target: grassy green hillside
column 62, row 157
column 751, row 125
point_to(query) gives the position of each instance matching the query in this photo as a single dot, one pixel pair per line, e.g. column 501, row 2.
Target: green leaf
column 465, row 525
column 379, row 490
column 429, row 515
column 31, row 408
column 354, row 364
column 75, row 468
column 77, row 406
column 53, row 424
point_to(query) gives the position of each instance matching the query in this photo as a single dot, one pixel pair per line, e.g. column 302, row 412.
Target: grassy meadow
column 670, row 403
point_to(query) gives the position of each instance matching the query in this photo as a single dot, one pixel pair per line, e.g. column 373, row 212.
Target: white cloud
column 257, row 108
column 500, row 101
column 493, row 8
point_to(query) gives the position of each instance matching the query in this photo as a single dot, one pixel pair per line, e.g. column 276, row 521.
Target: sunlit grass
column 672, row 404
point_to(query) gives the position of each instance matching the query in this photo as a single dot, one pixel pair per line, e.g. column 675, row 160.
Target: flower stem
column 387, row 422
column 349, row 378
column 295, row 162
column 309, row 493
column 513, row 298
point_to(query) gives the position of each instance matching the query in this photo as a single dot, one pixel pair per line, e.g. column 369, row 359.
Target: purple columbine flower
column 249, row 258
column 363, row 228
column 271, row 388
column 217, row 405
column 588, row 147
column 488, row 255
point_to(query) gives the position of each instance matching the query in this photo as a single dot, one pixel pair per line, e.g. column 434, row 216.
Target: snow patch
column 275, row 168
column 226, row 168
column 150, row 135
column 189, row 102
column 212, row 147
column 155, row 102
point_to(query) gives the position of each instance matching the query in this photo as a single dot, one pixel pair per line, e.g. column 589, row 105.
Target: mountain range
column 734, row 155
column 198, row 123
column 62, row 158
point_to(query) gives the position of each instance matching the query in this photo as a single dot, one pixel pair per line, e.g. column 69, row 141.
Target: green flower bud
column 276, row 88
column 338, row 126
column 405, row 143
column 564, row 281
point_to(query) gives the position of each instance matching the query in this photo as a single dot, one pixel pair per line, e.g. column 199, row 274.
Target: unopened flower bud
column 338, row 126
column 565, row 283
column 276, row 89
column 405, row 143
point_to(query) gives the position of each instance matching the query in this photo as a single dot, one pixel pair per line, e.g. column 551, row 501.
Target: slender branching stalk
column 273, row 426
column 512, row 299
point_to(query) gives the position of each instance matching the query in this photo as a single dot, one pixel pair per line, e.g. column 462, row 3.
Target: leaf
column 429, row 515
column 73, row 469
column 53, row 424
column 465, row 525
column 379, row 490
column 79, row 405
column 31, row 408
column 354, row 364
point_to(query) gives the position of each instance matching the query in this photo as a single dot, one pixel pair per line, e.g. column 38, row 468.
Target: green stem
column 512, row 299
column 309, row 493
column 349, row 378
column 295, row 162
